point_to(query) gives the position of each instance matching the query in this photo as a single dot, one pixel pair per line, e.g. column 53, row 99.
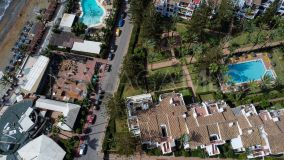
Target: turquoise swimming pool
column 92, row 13
column 248, row 71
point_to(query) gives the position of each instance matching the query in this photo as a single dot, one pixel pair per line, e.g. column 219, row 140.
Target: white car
column 83, row 149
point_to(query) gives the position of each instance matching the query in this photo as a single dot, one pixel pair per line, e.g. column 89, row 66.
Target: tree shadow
column 93, row 143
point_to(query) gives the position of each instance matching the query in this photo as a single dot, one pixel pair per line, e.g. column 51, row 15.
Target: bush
column 69, row 146
column 154, row 152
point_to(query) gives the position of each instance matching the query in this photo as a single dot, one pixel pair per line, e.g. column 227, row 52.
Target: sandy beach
column 11, row 25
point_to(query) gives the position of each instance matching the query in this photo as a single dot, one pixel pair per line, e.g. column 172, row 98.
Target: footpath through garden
column 226, row 51
column 174, row 62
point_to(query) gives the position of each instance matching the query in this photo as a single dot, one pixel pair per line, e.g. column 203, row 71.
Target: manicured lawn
column 181, row 28
column 121, row 125
column 248, row 39
column 166, row 78
column 158, row 56
column 201, row 82
column 187, row 95
column 207, row 97
column 131, row 91
column 279, row 68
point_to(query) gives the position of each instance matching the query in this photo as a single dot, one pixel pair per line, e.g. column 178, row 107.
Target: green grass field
column 201, row 82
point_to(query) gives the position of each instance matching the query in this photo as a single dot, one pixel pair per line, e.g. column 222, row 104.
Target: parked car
column 123, row 15
column 117, row 32
column 96, row 107
column 83, row 149
column 112, row 48
column 91, row 118
column 120, row 22
column 109, row 56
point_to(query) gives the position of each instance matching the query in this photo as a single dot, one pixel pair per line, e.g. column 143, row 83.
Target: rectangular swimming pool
column 248, row 71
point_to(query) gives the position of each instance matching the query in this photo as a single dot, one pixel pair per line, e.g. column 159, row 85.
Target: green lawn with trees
column 166, row 78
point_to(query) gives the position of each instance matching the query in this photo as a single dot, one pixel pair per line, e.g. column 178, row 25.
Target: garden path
column 271, row 100
column 188, row 79
column 252, row 48
column 174, row 62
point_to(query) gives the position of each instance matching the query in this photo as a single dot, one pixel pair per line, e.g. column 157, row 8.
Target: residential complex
column 206, row 125
column 182, row 8
column 185, row 8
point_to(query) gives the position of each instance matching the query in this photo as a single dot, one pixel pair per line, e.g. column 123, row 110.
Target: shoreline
column 12, row 23
column 98, row 25
column 7, row 24
column 5, row 9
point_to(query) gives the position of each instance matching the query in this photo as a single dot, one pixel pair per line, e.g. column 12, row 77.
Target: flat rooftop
column 67, row 20
column 87, row 47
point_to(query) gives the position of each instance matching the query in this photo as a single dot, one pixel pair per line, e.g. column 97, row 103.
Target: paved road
column 109, row 85
column 112, row 78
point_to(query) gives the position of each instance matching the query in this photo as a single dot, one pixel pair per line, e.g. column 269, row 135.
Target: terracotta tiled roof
column 211, row 119
column 229, row 130
column 251, row 137
column 243, row 122
column 280, row 123
column 198, row 136
column 191, row 122
column 213, row 129
column 271, row 128
column 163, row 114
column 276, row 143
column 228, row 114
column 255, row 120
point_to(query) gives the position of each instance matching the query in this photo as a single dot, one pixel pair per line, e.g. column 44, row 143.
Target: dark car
column 112, row 48
column 109, row 57
column 120, row 22
column 123, row 15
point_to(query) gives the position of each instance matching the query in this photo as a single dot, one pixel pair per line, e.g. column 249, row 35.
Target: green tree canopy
column 79, row 28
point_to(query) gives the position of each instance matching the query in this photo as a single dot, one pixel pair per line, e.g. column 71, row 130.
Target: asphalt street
column 109, row 85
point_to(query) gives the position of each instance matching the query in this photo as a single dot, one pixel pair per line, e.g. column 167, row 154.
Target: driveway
column 109, row 85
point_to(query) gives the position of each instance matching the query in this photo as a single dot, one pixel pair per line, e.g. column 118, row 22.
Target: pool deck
column 248, row 57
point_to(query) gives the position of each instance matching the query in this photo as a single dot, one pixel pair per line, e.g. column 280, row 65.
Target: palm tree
column 149, row 44
column 62, row 119
column 265, row 81
column 55, row 130
column 197, row 49
column 277, row 84
column 252, row 85
column 6, row 79
column 213, row 68
column 79, row 28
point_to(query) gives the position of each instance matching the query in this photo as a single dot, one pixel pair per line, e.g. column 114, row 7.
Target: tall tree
column 137, row 9
column 267, row 16
column 79, row 28
column 151, row 24
column 225, row 15
column 199, row 22
column 134, row 66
